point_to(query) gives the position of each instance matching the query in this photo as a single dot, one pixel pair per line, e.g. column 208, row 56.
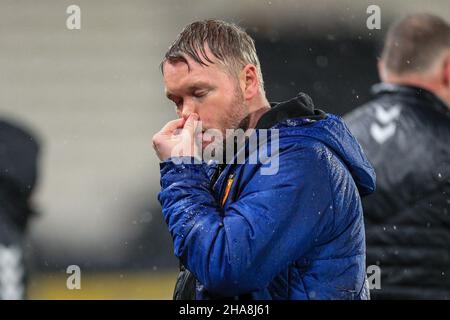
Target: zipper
column 230, row 181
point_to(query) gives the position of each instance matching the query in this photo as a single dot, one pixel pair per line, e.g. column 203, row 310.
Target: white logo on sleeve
column 385, row 125
column 11, row 273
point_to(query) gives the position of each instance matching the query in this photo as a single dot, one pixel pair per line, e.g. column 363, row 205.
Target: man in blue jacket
column 296, row 232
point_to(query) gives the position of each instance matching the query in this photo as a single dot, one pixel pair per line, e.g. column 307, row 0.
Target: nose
column 188, row 108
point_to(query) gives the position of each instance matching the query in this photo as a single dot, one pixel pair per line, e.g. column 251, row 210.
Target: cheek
column 218, row 109
column 212, row 111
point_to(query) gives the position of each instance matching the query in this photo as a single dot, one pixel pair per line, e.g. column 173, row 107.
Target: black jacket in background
column 405, row 133
column 18, row 173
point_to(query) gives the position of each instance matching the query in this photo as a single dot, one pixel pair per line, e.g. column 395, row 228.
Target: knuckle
column 156, row 139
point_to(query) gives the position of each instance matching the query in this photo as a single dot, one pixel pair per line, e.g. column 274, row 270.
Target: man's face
column 209, row 91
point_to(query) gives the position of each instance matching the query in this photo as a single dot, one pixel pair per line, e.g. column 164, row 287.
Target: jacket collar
column 413, row 91
column 300, row 106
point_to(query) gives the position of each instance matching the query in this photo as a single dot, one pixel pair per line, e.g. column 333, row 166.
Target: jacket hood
column 299, row 116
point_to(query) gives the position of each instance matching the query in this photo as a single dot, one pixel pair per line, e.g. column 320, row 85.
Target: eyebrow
column 194, row 86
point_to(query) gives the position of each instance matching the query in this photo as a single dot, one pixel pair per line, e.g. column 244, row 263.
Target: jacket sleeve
column 275, row 220
column 12, row 264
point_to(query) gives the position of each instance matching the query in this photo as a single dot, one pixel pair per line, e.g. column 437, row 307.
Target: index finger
column 171, row 126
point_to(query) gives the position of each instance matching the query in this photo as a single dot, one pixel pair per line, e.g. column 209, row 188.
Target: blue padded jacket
column 297, row 233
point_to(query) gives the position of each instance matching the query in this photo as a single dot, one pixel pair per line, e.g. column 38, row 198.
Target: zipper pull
column 228, row 188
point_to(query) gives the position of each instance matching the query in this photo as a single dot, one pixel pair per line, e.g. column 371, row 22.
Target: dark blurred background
column 94, row 97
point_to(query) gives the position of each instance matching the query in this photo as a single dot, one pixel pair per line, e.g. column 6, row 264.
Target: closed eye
column 199, row 93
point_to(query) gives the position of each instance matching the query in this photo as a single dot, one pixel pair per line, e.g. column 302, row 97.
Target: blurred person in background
column 18, row 173
column 295, row 234
column 405, row 132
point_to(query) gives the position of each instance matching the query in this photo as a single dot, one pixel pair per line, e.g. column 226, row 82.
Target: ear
column 249, row 81
column 381, row 70
column 446, row 73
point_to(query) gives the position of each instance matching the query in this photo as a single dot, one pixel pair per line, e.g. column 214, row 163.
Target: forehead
column 181, row 73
